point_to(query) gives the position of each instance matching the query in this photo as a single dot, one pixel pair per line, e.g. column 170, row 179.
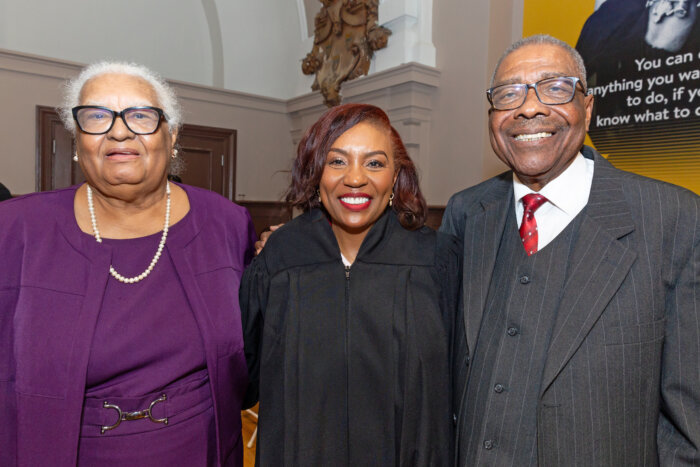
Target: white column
column 411, row 40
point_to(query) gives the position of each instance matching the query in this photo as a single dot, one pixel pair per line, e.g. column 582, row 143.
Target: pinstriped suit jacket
column 621, row 383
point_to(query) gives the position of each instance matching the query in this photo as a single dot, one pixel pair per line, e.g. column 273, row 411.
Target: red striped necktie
column 528, row 227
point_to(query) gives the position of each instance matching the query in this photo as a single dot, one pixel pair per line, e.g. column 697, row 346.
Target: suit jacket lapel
column 482, row 234
column 597, row 266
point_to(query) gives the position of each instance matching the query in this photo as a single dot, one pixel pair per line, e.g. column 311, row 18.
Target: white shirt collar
column 568, row 192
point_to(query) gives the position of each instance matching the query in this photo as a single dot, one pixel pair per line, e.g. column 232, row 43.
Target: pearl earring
column 174, row 153
column 391, row 198
column 75, row 157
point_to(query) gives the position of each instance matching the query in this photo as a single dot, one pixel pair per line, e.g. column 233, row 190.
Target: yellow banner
column 643, row 66
column 562, row 19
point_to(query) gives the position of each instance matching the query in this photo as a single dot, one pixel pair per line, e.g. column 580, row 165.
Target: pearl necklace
column 161, row 245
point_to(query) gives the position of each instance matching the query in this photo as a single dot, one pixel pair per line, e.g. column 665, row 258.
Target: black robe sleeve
column 448, row 263
column 4, row 193
column 253, row 300
column 449, row 266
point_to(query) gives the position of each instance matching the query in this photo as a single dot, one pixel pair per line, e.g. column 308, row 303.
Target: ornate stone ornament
column 346, row 34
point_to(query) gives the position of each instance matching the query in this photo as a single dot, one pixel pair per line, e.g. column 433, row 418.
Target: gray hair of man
column 539, row 39
column 166, row 96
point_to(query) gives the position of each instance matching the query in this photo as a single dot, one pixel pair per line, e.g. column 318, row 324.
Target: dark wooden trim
column 55, row 147
column 435, row 214
column 267, row 213
column 44, row 139
column 265, row 205
column 230, row 138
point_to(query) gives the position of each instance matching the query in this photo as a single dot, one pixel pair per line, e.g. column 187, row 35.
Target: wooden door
column 55, row 148
column 209, row 155
column 210, row 158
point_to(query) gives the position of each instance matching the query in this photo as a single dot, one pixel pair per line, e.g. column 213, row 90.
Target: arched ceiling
column 249, row 46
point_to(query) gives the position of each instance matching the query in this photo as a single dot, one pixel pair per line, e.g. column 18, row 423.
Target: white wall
column 258, row 41
column 242, row 45
column 411, row 40
column 20, row 93
column 469, row 37
column 262, row 129
column 170, row 37
column 262, row 46
column 259, row 45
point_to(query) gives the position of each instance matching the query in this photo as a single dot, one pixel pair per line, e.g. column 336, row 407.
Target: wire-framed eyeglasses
column 97, row 120
column 549, row 91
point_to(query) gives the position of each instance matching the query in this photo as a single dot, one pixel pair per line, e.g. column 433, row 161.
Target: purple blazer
column 52, row 280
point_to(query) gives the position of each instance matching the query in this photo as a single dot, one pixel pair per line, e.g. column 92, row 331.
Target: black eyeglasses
column 96, row 120
column 549, row 91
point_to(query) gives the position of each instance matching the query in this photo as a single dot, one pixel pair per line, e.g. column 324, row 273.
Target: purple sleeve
column 249, row 239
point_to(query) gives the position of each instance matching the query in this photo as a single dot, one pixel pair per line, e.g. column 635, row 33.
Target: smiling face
column 358, row 178
column 538, row 141
column 119, row 162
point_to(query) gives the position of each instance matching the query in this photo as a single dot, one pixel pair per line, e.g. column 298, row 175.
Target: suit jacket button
column 499, row 388
column 512, row 331
column 525, row 279
column 488, row 444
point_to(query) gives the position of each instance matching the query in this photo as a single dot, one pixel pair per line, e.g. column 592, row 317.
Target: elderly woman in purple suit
column 120, row 331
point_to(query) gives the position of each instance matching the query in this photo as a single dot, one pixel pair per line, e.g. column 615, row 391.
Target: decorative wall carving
column 346, row 34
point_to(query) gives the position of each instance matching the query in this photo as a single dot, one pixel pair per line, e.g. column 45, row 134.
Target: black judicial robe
column 352, row 366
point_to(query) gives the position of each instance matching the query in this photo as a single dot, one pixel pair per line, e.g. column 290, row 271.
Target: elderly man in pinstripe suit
column 581, row 338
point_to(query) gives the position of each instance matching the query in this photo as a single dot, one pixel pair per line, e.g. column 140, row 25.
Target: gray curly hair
column 539, row 39
column 166, row 96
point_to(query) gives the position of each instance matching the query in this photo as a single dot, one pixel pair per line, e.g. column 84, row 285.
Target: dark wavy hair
column 313, row 148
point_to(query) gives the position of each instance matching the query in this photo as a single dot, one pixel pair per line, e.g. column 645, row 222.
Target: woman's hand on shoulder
column 260, row 244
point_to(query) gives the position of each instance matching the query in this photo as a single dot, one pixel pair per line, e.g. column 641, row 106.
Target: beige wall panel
column 264, row 145
column 20, row 93
column 462, row 31
column 264, row 142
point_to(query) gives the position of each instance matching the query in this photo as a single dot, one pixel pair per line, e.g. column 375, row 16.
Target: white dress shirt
column 567, row 195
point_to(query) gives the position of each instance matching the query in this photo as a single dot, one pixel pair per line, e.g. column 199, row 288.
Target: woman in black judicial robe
column 348, row 312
